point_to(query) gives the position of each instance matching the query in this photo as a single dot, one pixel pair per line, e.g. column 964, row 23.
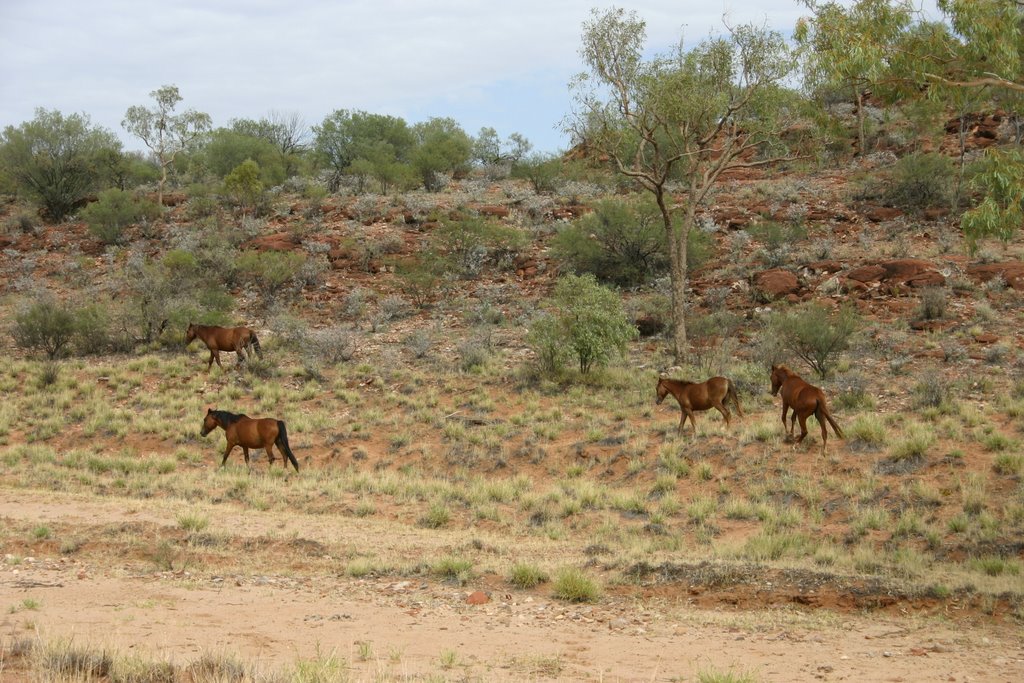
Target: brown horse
column 805, row 400
column 244, row 431
column 703, row 396
column 241, row 340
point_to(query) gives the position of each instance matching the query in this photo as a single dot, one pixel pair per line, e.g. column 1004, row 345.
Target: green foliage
column 46, row 325
column 271, row 272
column 54, row 159
column 113, row 211
column 363, row 145
column 525, row 575
column 243, row 184
column 620, row 242
column 490, row 150
column 442, row 148
column 227, row 149
column 778, row 239
column 921, row 181
column 472, row 243
column 543, row 171
column 816, row 335
column 1000, row 176
column 421, row 277
column 589, row 324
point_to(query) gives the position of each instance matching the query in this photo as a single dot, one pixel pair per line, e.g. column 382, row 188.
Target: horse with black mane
column 703, row 396
column 805, row 399
column 241, row 340
column 242, row 430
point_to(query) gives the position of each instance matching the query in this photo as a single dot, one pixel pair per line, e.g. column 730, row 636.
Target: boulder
column 1012, row 273
column 909, row 271
column 776, row 283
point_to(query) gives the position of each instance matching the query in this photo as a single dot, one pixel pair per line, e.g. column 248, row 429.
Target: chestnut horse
column 805, row 400
column 241, row 340
column 703, row 396
column 244, row 431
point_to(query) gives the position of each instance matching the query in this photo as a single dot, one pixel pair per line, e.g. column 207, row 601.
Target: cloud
column 244, row 58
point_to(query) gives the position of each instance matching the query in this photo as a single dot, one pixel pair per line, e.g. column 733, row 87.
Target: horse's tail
column 255, row 343
column 822, row 411
column 282, row 443
column 730, row 394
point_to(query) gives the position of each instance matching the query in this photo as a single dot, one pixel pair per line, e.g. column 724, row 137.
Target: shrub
column 932, row 391
column 543, row 171
column 933, row 303
column 243, row 185
column 815, row 335
column 472, row 243
column 271, row 272
column 589, row 322
column 114, row 211
column 920, row 181
column 620, row 242
column 778, row 240
column 46, row 325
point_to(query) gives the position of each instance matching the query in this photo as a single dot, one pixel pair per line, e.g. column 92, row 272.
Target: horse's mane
column 228, row 418
column 682, row 382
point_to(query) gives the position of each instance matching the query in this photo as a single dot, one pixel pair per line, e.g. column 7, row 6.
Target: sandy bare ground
column 387, row 628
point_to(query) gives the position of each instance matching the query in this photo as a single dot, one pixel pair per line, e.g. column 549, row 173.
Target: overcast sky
column 504, row 64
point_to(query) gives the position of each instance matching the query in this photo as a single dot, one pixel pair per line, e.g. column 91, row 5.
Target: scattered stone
column 478, row 598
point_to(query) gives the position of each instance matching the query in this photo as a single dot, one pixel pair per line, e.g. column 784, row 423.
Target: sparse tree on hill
column 57, row 160
column 163, row 131
column 689, row 116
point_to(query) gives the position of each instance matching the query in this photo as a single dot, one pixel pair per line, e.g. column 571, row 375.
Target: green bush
column 114, row 211
column 816, row 335
column 46, row 325
column 543, row 171
column 589, row 323
column 778, row 240
column 243, row 185
column 933, row 303
column 921, row 181
column 271, row 272
column 473, row 243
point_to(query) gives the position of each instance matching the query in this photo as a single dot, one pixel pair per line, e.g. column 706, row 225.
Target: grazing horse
column 244, row 431
column 241, row 340
column 703, row 396
column 805, row 400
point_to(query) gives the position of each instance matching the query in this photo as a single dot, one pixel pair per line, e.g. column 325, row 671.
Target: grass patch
column 574, row 585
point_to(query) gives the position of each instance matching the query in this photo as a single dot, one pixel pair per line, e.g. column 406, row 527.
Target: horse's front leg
column 227, row 452
column 785, row 428
column 245, row 453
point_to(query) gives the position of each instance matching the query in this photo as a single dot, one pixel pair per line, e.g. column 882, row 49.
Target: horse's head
column 662, row 390
column 190, row 333
column 779, row 375
column 209, row 422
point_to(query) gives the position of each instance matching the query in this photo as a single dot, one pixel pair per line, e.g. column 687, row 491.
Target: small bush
column 45, row 325
column 589, row 324
column 114, row 211
column 921, row 181
column 933, row 303
column 271, row 272
column 932, row 391
column 573, row 585
column 778, row 240
column 474, row 243
column 816, row 335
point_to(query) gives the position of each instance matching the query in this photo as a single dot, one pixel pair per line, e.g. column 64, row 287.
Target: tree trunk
column 861, row 144
column 677, row 271
column 160, row 188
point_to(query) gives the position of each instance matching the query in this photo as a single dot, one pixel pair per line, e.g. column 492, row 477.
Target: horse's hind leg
column 720, row 407
column 803, row 426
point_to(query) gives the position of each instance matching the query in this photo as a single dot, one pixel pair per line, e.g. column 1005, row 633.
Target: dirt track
column 411, row 627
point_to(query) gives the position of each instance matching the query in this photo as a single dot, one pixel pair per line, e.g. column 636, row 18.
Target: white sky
column 504, row 64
